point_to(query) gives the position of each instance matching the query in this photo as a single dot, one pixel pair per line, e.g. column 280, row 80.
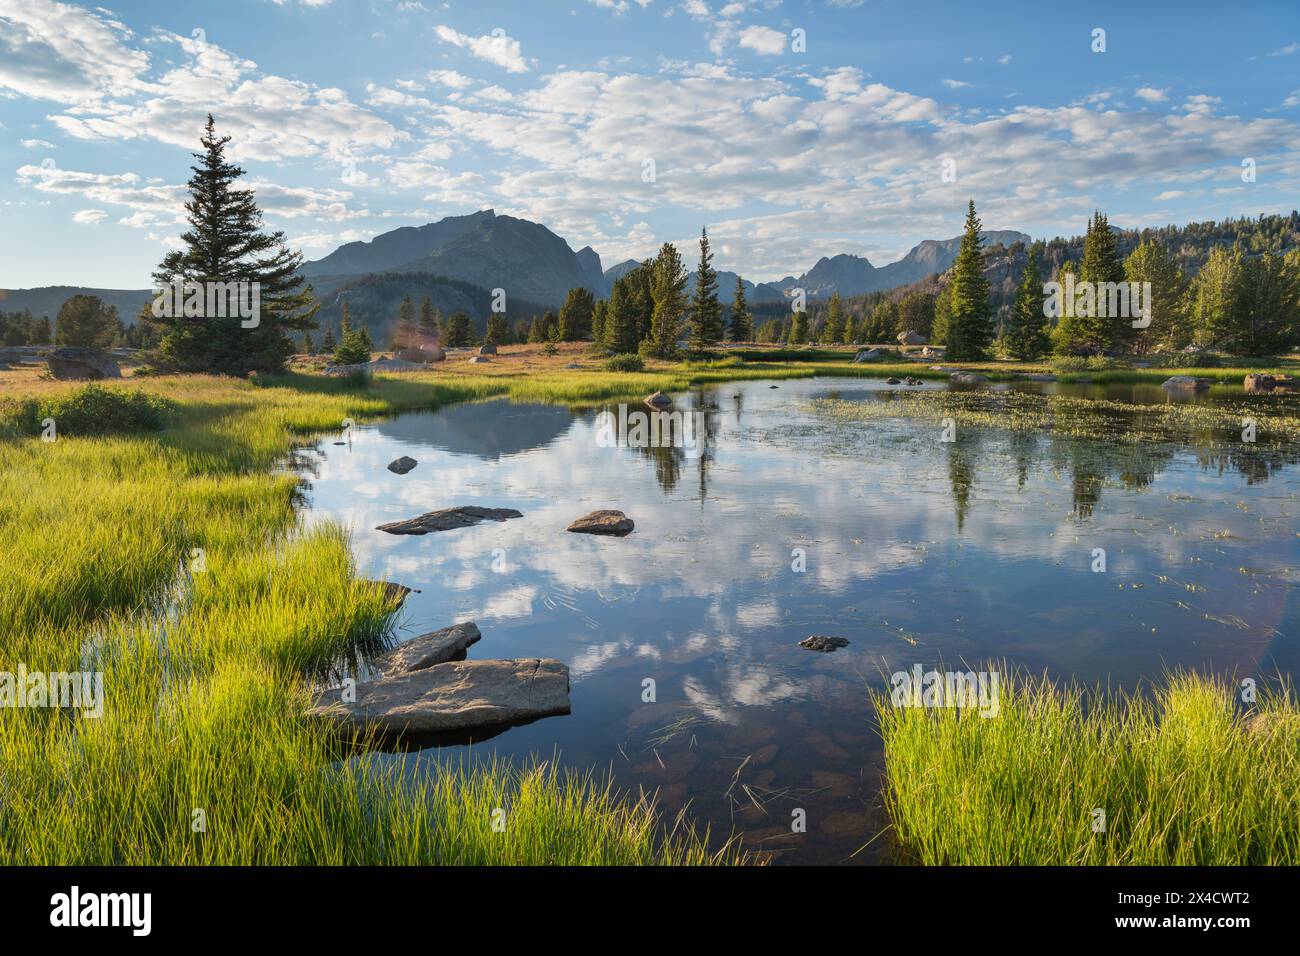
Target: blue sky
column 354, row 117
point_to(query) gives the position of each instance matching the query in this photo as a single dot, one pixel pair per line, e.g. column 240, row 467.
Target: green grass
column 207, row 672
column 1182, row 777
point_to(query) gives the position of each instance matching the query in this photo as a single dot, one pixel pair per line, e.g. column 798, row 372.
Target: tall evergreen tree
column 86, row 321
column 460, row 330
column 1101, row 266
column 970, row 319
column 598, row 315
column 799, row 327
column 225, row 243
column 621, row 333
column 1027, row 334
column 1170, row 326
column 430, row 321
column 576, row 315
column 833, row 330
column 706, row 310
column 668, row 291
column 742, row 323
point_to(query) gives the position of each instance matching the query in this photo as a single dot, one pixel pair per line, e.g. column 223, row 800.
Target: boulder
column 892, row 381
column 76, row 362
column 820, row 642
column 867, row 355
column 912, row 380
column 455, row 696
column 424, row 355
column 911, row 338
column 479, row 360
column 448, row 519
column 658, row 400
column 1186, row 383
column 603, row 522
column 1261, row 382
column 400, row 466
column 436, row 647
column 933, row 353
column 966, row 378
column 487, row 349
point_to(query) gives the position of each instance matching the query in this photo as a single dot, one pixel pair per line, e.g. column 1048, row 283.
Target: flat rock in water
column 456, row 696
column 401, row 466
column 448, row 519
column 1186, row 382
column 820, row 642
column 436, row 647
column 603, row 522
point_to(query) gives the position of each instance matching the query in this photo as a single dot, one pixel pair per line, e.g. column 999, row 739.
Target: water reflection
column 916, row 550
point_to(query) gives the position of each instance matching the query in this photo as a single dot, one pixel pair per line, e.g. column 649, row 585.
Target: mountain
column 589, row 261
column 46, row 300
column 524, row 258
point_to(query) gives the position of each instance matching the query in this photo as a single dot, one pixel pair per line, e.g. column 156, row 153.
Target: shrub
column 89, row 411
column 626, row 363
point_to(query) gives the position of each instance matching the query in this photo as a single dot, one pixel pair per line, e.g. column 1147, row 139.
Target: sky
column 792, row 129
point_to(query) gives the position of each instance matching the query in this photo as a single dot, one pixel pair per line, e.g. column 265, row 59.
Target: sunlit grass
column 1181, row 777
column 172, row 562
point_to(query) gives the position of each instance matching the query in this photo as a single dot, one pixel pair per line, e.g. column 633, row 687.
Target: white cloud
column 955, row 84
column 763, row 40
column 89, row 216
column 52, row 51
column 1151, row 94
column 498, row 49
column 36, row 144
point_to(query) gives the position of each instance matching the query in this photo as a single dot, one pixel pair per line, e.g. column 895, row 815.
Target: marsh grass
column 1182, row 776
column 207, row 664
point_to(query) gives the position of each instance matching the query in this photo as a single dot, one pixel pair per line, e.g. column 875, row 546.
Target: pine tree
column 1101, row 267
column 430, row 321
column 536, row 334
column 86, row 321
column 1026, row 334
column 225, row 244
column 498, row 333
column 460, row 331
column 1170, row 326
column 308, row 346
column 833, row 330
column 668, row 291
column 621, row 317
column 406, row 313
column 598, row 315
column 327, row 343
column 799, row 328
column 970, row 320
column 575, row 315
column 742, row 323
column 706, row 310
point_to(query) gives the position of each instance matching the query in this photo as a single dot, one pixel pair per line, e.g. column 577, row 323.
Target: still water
column 781, row 524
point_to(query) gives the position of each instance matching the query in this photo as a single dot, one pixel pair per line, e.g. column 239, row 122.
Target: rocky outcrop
column 1186, row 383
column 1261, row 382
column 75, row 362
column 658, row 400
column 911, row 337
column 400, row 466
column 966, row 378
column 603, row 522
column 448, row 519
column 455, row 696
column 487, row 349
column 424, row 355
column 820, row 642
column 867, row 355
column 436, row 647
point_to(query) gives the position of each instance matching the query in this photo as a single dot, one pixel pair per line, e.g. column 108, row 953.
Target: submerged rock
column 823, row 643
column 1261, row 382
column 77, row 362
column 1186, row 382
column 892, row 381
column 400, row 466
column 436, row 647
column 603, row 522
column 458, row 695
column 448, row 519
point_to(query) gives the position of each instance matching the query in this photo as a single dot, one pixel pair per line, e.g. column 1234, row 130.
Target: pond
column 784, row 521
